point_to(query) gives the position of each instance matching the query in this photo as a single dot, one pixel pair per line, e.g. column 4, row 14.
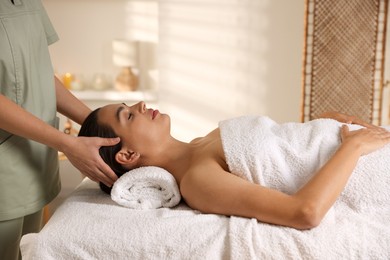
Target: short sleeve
column 51, row 34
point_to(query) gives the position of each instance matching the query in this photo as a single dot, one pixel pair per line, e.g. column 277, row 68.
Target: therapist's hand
column 83, row 153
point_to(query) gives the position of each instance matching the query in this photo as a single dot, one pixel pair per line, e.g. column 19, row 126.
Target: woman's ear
column 126, row 157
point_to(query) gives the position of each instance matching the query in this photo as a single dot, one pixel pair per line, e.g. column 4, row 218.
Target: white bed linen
column 89, row 225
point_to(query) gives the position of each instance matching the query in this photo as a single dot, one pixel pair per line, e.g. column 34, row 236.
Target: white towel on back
column 146, row 188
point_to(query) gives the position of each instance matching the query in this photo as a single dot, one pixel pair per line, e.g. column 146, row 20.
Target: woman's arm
column 325, row 187
column 344, row 118
column 224, row 193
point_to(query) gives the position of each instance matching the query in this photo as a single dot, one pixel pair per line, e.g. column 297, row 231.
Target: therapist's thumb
column 110, row 141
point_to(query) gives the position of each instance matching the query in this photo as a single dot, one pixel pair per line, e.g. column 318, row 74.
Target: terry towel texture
column 146, row 188
column 89, row 225
column 285, row 156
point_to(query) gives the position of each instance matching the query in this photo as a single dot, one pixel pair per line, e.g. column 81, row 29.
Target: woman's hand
column 343, row 118
column 366, row 140
column 83, row 153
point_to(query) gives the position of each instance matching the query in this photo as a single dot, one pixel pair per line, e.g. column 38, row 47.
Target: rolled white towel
column 146, row 188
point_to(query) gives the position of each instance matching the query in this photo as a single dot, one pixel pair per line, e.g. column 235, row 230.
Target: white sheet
column 89, row 225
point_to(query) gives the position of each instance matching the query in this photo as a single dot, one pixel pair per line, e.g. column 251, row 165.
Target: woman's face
column 139, row 127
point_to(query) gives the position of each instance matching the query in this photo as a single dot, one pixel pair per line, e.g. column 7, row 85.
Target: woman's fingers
column 344, row 132
column 366, row 140
column 344, row 118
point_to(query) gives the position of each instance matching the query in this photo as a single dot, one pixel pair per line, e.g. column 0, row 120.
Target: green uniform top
column 28, row 170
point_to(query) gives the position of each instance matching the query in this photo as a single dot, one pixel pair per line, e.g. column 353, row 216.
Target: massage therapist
column 30, row 97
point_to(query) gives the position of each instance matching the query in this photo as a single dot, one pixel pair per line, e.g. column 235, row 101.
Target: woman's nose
column 142, row 106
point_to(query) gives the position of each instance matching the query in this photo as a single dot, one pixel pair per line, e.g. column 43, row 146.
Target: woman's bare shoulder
column 197, row 184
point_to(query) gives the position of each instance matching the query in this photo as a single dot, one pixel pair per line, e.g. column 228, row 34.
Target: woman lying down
column 285, row 174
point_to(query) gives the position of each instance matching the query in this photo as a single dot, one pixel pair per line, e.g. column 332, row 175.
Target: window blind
column 142, row 20
column 210, row 61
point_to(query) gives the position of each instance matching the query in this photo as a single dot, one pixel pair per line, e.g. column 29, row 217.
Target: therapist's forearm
column 69, row 105
column 16, row 120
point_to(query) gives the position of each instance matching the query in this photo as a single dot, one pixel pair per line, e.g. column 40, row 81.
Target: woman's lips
column 154, row 113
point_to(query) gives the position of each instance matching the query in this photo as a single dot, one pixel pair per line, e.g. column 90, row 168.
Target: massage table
column 90, row 225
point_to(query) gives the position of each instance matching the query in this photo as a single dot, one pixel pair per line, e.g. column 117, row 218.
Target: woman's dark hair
column 91, row 127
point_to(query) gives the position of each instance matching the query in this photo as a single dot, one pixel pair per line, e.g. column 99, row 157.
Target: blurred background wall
column 216, row 58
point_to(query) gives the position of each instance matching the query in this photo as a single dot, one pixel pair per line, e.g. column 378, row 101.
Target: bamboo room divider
column 344, row 58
